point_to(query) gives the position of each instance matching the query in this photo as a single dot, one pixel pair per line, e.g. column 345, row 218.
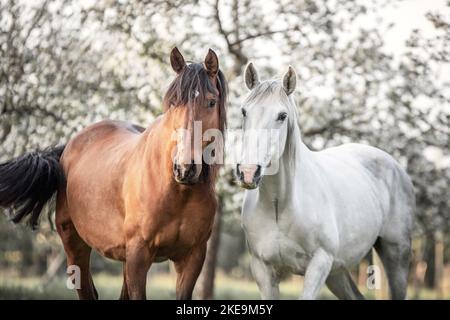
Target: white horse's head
column 268, row 114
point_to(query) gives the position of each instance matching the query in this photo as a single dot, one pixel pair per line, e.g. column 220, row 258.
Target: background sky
column 407, row 16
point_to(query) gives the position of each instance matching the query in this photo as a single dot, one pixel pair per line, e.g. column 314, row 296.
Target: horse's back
column 102, row 130
column 374, row 160
column 381, row 165
column 392, row 185
column 103, row 147
column 94, row 162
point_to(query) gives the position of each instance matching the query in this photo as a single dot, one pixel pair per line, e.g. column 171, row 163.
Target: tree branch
column 240, row 58
column 262, row 34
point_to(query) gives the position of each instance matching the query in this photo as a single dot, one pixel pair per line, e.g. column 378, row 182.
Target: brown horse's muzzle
column 186, row 173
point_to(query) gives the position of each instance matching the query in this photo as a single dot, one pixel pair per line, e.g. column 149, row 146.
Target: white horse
column 321, row 212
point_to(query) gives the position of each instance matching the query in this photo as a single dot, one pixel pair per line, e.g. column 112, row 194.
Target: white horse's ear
column 290, row 81
column 251, row 76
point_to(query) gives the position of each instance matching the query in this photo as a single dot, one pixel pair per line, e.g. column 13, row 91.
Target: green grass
column 160, row 286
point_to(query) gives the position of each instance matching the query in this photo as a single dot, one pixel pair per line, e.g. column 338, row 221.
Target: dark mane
column 195, row 78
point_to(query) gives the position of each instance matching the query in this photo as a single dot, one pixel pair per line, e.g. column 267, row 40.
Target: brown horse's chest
column 179, row 227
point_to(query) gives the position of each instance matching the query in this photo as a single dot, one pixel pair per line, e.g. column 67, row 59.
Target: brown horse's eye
column 212, row 103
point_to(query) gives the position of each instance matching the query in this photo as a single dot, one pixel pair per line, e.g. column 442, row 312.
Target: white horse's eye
column 282, row 116
column 244, row 112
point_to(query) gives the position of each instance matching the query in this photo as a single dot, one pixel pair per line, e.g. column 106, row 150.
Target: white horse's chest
column 274, row 242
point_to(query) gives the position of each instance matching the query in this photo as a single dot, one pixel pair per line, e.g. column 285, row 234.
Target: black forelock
column 194, row 78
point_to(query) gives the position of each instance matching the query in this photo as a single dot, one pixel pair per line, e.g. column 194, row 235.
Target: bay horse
column 319, row 213
column 131, row 194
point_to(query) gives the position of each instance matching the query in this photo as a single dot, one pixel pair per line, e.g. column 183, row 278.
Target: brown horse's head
column 194, row 103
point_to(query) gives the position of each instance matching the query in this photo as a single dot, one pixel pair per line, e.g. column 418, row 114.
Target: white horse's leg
column 396, row 258
column 316, row 273
column 266, row 278
column 342, row 286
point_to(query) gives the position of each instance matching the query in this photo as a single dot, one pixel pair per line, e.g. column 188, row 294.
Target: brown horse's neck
column 156, row 152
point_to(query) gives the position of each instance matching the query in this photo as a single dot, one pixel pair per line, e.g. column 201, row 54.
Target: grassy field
column 160, row 286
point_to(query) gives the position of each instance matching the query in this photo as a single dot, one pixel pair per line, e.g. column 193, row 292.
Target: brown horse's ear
column 290, row 81
column 211, row 63
column 251, row 76
column 177, row 60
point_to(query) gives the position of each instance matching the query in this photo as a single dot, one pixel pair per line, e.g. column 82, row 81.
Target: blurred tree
column 59, row 73
column 65, row 64
column 351, row 89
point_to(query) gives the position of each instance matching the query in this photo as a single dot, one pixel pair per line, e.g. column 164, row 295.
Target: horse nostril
column 258, row 171
column 239, row 173
column 191, row 171
column 176, row 170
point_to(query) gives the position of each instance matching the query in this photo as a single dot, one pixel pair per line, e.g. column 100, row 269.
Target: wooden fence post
column 439, row 265
column 383, row 292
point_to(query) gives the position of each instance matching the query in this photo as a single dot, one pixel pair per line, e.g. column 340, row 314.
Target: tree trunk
column 429, row 257
column 54, row 261
column 206, row 288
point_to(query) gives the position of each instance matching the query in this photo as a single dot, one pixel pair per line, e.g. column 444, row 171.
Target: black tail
column 28, row 182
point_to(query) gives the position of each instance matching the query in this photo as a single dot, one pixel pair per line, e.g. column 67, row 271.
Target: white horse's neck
column 295, row 165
